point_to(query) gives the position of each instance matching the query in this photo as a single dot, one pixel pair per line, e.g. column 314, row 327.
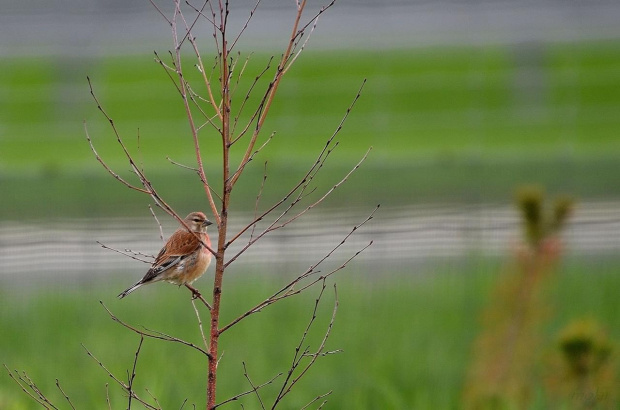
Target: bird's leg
column 197, row 295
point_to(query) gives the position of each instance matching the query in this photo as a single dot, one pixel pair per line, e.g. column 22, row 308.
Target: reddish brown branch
column 272, row 89
column 291, row 60
column 188, row 112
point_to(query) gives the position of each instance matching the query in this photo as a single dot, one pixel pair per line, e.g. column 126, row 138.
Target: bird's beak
column 207, row 223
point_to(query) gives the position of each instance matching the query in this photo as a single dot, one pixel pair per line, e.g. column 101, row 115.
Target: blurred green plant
column 539, row 223
column 582, row 372
column 502, row 374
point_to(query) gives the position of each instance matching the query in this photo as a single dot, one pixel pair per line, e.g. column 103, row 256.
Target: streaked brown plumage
column 183, row 259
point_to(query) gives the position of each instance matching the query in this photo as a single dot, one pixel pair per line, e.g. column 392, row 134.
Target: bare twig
column 178, row 164
column 322, row 198
column 245, row 26
column 107, row 168
column 294, row 56
column 245, row 100
column 271, row 92
column 200, row 13
column 153, row 397
column 160, row 12
column 131, row 377
column 288, row 290
column 28, row 387
column 258, row 150
column 147, row 186
column 239, row 76
column 247, row 376
column 129, row 253
column 305, row 180
column 254, row 389
column 112, row 376
column 202, row 333
column 196, row 171
column 258, row 198
column 107, row 396
column 274, row 225
column 64, row 394
column 169, row 70
column 154, row 334
column 197, row 295
column 161, row 230
column 183, row 87
column 189, row 28
column 122, row 384
column 290, row 380
column 316, row 399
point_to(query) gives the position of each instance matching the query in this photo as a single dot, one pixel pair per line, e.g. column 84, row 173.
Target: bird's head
column 197, row 221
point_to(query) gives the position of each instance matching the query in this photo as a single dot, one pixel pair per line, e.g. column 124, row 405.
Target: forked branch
column 292, row 379
column 30, row 388
column 146, row 183
column 122, row 384
column 272, row 89
column 304, row 181
column 255, row 389
column 289, row 289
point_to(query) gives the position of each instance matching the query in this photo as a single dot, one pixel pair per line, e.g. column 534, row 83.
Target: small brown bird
column 183, row 259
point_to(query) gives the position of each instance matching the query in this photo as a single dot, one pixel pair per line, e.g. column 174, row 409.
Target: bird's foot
column 197, row 295
column 195, row 292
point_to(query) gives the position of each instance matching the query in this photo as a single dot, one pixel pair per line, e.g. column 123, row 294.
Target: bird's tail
column 129, row 290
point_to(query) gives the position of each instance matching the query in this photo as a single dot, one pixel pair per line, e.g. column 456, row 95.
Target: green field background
column 450, row 125
column 406, row 339
column 445, row 124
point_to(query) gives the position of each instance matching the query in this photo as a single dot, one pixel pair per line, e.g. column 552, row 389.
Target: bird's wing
column 181, row 244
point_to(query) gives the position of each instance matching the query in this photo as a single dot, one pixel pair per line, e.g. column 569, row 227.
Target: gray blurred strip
column 403, row 237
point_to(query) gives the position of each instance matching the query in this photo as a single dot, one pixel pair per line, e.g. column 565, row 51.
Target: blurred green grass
column 447, row 123
column 415, row 102
column 406, row 337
